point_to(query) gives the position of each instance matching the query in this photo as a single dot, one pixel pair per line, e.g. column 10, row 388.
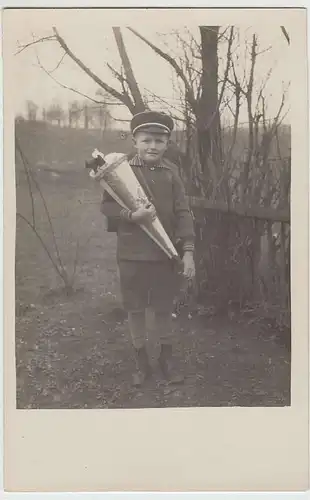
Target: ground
column 74, row 351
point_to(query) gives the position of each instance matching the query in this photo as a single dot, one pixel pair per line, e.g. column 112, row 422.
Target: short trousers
column 148, row 285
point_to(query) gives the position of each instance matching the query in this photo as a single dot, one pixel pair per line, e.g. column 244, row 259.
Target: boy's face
column 151, row 146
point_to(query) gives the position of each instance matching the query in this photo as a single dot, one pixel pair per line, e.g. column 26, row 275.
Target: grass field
column 74, row 351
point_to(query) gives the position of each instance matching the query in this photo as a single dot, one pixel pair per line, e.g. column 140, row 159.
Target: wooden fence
column 243, row 249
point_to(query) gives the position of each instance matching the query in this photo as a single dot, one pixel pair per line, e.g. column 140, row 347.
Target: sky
column 91, row 39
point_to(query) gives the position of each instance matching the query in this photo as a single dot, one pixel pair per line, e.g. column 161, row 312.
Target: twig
column 262, row 88
column 228, row 63
column 223, row 35
column 43, row 245
column 116, row 73
column 264, row 50
column 120, row 119
column 59, row 63
column 162, row 100
column 28, row 180
column 76, row 258
column 44, row 39
column 66, row 86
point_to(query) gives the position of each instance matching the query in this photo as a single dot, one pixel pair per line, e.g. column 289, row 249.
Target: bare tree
column 74, row 113
column 32, row 109
column 55, row 113
column 44, row 118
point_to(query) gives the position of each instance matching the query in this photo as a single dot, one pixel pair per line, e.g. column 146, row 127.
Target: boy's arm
column 184, row 221
column 110, row 208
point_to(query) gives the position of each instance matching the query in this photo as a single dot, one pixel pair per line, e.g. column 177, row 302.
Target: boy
column 148, row 279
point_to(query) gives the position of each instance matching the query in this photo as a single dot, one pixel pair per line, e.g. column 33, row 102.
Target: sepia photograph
column 155, row 250
column 152, row 216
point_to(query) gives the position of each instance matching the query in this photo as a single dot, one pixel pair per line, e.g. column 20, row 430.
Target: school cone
column 118, row 179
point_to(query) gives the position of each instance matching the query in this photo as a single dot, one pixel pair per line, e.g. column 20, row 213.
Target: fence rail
column 264, row 213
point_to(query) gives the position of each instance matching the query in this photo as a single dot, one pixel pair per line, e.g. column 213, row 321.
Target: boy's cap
column 152, row 121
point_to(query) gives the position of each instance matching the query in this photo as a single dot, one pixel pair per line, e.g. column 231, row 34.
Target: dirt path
column 77, row 355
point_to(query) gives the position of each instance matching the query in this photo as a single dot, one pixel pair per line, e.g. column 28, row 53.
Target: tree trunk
column 86, row 117
column 208, row 120
column 100, row 117
column 69, row 119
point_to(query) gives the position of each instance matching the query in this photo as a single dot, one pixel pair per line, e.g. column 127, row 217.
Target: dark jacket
column 172, row 209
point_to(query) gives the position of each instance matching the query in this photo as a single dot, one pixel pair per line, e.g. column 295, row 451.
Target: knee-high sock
column 163, row 327
column 137, row 327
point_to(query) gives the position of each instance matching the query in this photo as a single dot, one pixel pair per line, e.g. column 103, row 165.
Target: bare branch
column 59, row 63
column 277, row 121
column 161, row 99
column 40, row 40
column 121, row 78
column 42, row 243
column 121, row 97
column 253, row 61
column 228, row 63
column 285, row 33
column 66, row 86
column 119, row 119
column 223, row 34
column 76, row 259
column 173, row 63
column 25, row 166
column 130, row 78
column 236, row 83
column 191, row 46
column 264, row 50
column 116, row 73
column 195, row 42
column 249, row 94
column 262, row 88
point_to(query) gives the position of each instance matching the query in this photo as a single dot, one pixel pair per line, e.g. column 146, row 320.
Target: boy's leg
column 134, row 294
column 162, row 297
column 137, row 328
column 163, row 325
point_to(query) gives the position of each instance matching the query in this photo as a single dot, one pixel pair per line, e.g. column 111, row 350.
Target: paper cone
column 118, row 179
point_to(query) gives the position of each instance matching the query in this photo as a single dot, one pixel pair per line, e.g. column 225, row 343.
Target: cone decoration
column 118, row 179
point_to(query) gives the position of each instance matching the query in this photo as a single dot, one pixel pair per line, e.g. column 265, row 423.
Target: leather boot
column 167, row 365
column 144, row 370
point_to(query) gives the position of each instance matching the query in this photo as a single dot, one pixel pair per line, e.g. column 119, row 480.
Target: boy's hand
column 144, row 214
column 189, row 265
